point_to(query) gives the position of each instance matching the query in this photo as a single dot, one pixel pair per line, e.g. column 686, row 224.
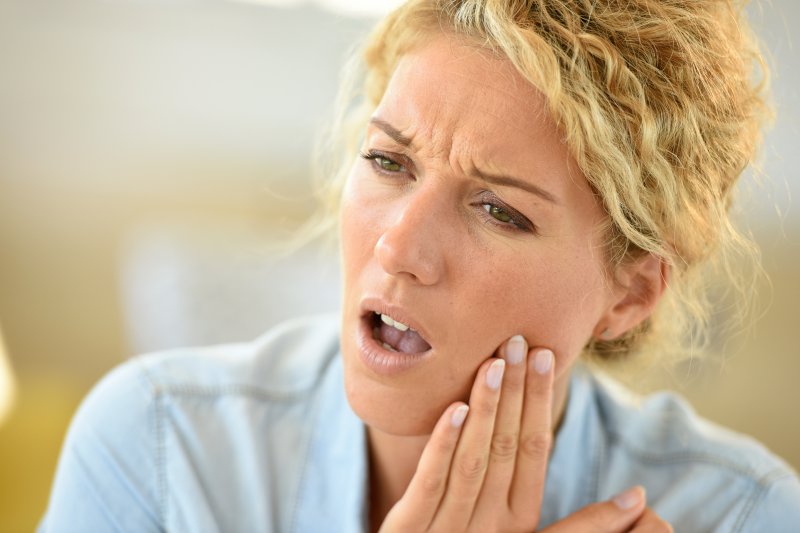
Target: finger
column 536, row 435
column 505, row 439
column 650, row 522
column 417, row 507
column 613, row 516
column 472, row 452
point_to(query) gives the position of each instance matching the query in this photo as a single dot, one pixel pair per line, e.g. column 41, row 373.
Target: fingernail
column 495, row 374
column 459, row 415
column 630, row 498
column 515, row 349
column 543, row 361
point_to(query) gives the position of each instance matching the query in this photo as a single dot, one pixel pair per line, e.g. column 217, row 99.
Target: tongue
column 403, row 341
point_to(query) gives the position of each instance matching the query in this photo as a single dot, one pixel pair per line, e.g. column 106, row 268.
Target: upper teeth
column 386, row 319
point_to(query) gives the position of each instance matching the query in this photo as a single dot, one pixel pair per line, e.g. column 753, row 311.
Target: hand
column 624, row 512
column 486, row 471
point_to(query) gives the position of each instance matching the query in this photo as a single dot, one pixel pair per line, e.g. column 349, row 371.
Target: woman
column 539, row 181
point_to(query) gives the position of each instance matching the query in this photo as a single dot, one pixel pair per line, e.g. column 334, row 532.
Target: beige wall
column 115, row 114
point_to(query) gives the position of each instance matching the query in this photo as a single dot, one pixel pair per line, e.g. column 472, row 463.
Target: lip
column 377, row 305
column 374, row 356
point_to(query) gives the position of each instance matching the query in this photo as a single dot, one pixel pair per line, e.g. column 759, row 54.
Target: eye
column 388, row 164
column 383, row 163
column 498, row 213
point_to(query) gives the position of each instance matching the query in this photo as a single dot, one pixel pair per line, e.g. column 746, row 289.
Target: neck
column 393, row 460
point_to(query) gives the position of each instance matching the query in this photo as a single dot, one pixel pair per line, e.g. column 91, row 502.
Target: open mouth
column 396, row 336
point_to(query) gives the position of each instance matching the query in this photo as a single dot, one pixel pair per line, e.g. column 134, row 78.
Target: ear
column 639, row 286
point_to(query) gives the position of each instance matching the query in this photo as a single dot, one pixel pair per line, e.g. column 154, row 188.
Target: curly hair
column 661, row 103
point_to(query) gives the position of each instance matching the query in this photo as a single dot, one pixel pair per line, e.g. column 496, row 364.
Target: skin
column 416, row 233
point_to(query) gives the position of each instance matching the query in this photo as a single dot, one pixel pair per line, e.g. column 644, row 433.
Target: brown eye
column 498, row 213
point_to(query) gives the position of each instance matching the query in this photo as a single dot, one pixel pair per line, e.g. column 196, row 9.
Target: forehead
column 452, row 94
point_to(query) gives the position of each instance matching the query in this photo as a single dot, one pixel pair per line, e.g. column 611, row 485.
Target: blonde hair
column 658, row 103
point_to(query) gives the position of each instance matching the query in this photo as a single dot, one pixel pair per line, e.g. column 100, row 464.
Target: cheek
column 552, row 302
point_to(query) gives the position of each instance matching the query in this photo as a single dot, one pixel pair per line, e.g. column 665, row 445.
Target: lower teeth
column 388, row 347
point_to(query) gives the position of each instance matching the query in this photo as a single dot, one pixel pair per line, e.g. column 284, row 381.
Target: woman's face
column 468, row 221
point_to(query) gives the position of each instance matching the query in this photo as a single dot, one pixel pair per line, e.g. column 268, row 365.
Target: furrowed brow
column 509, row 181
column 391, row 131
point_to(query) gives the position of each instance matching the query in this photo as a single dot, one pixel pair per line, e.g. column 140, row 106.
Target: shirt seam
column 762, row 487
column 211, row 392
column 158, row 415
column 690, row 456
column 161, row 458
column 599, row 455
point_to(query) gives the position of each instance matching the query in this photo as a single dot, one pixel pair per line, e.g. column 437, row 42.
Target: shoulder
column 663, row 427
column 285, row 362
column 122, row 449
column 699, row 473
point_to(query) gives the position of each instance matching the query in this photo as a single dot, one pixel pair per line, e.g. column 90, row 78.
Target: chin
column 394, row 410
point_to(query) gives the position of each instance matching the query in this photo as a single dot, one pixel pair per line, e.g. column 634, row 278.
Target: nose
column 412, row 246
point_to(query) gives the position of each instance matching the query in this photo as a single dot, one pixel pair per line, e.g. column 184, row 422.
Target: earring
column 606, row 334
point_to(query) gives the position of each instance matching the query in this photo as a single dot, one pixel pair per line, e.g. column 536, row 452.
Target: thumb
column 612, row 516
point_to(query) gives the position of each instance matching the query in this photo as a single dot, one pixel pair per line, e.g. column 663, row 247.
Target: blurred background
column 153, row 151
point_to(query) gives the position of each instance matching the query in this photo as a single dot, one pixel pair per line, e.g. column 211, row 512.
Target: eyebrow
column 391, row 131
column 494, row 179
column 508, row 181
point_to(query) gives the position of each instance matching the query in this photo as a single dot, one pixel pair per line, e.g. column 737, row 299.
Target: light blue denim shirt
column 260, row 437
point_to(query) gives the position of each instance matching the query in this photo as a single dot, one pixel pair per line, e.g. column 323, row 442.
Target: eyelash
column 518, row 222
column 374, row 156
